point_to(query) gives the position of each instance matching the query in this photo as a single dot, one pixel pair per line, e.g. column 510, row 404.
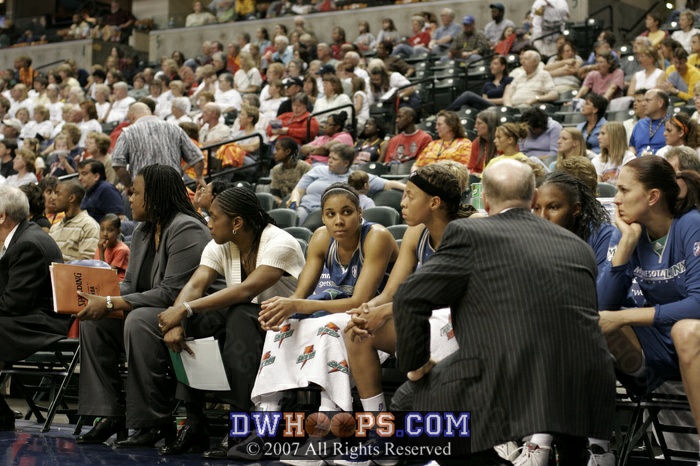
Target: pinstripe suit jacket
column 531, row 356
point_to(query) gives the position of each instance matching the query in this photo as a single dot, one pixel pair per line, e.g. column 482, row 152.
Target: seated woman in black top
column 492, row 92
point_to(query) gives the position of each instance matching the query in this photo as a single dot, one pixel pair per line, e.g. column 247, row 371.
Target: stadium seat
column 389, row 198
column 606, row 190
column 313, row 221
column 284, row 217
column 397, row 231
column 267, row 200
column 300, row 232
column 374, row 168
column 383, row 215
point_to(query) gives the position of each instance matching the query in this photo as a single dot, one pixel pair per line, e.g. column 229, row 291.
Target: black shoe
column 250, row 448
column 18, row 415
column 219, row 452
column 149, row 436
column 104, row 429
column 7, row 423
column 187, row 439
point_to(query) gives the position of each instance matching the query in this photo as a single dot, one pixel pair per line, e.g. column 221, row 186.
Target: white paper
column 206, row 370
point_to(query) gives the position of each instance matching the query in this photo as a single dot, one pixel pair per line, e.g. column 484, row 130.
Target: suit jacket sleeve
column 442, row 281
column 184, row 243
column 27, row 275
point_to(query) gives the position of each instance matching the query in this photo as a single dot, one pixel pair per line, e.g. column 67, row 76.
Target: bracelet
column 188, row 308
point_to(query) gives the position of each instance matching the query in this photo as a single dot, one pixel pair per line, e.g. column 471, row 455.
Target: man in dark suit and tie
column 27, row 320
column 531, row 356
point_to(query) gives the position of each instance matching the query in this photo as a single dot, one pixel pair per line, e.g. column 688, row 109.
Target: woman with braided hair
column 165, row 251
column 258, row 260
column 568, row 202
column 431, row 201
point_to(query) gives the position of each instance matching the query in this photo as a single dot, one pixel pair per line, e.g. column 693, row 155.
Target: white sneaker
column 533, row 455
column 599, row 457
column 508, row 451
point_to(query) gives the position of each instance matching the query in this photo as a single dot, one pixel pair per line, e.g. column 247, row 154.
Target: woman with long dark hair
column 258, row 261
column 657, row 243
column 165, row 250
column 483, row 148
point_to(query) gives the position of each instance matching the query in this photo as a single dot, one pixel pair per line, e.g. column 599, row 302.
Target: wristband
column 188, row 308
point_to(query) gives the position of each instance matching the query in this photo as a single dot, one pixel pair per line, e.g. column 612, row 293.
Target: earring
column 234, row 231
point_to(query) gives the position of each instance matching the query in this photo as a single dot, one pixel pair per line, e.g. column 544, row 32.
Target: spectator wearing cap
column 292, row 86
column 444, row 35
column 11, row 128
column 494, row 28
column 470, row 44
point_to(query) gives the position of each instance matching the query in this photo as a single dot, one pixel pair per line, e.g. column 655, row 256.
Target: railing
column 625, row 31
column 331, row 110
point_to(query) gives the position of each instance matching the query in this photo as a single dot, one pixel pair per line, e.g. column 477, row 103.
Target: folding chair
column 54, row 366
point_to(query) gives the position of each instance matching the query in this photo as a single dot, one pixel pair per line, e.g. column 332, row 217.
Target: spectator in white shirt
column 687, row 31
column 227, row 98
column 120, row 104
column 179, row 107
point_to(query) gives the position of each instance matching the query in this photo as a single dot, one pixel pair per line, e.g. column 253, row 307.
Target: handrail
column 641, row 18
column 48, row 64
column 330, row 110
column 610, row 14
column 211, row 155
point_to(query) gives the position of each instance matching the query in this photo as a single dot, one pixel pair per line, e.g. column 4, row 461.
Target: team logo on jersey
column 329, row 329
column 447, row 330
column 696, row 249
column 354, row 271
column 267, row 359
column 286, row 331
column 308, row 353
column 336, row 366
column 611, row 252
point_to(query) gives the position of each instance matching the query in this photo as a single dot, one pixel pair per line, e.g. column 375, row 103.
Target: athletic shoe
column 508, row 451
column 315, row 452
column 533, row 455
column 600, row 457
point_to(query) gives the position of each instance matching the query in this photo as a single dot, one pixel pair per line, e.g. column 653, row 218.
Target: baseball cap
column 293, row 81
column 469, row 19
column 326, row 69
column 14, row 122
column 498, row 6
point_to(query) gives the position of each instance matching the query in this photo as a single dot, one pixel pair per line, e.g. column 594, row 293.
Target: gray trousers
column 150, row 392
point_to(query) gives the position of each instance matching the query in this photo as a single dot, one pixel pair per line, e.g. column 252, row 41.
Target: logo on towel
column 286, row 331
column 329, row 329
column 266, row 361
column 341, row 366
column 308, row 353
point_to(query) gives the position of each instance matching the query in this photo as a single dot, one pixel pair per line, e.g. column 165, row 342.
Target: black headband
column 432, row 190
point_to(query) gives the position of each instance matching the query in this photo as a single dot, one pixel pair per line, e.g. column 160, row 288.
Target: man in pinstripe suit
column 531, row 357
